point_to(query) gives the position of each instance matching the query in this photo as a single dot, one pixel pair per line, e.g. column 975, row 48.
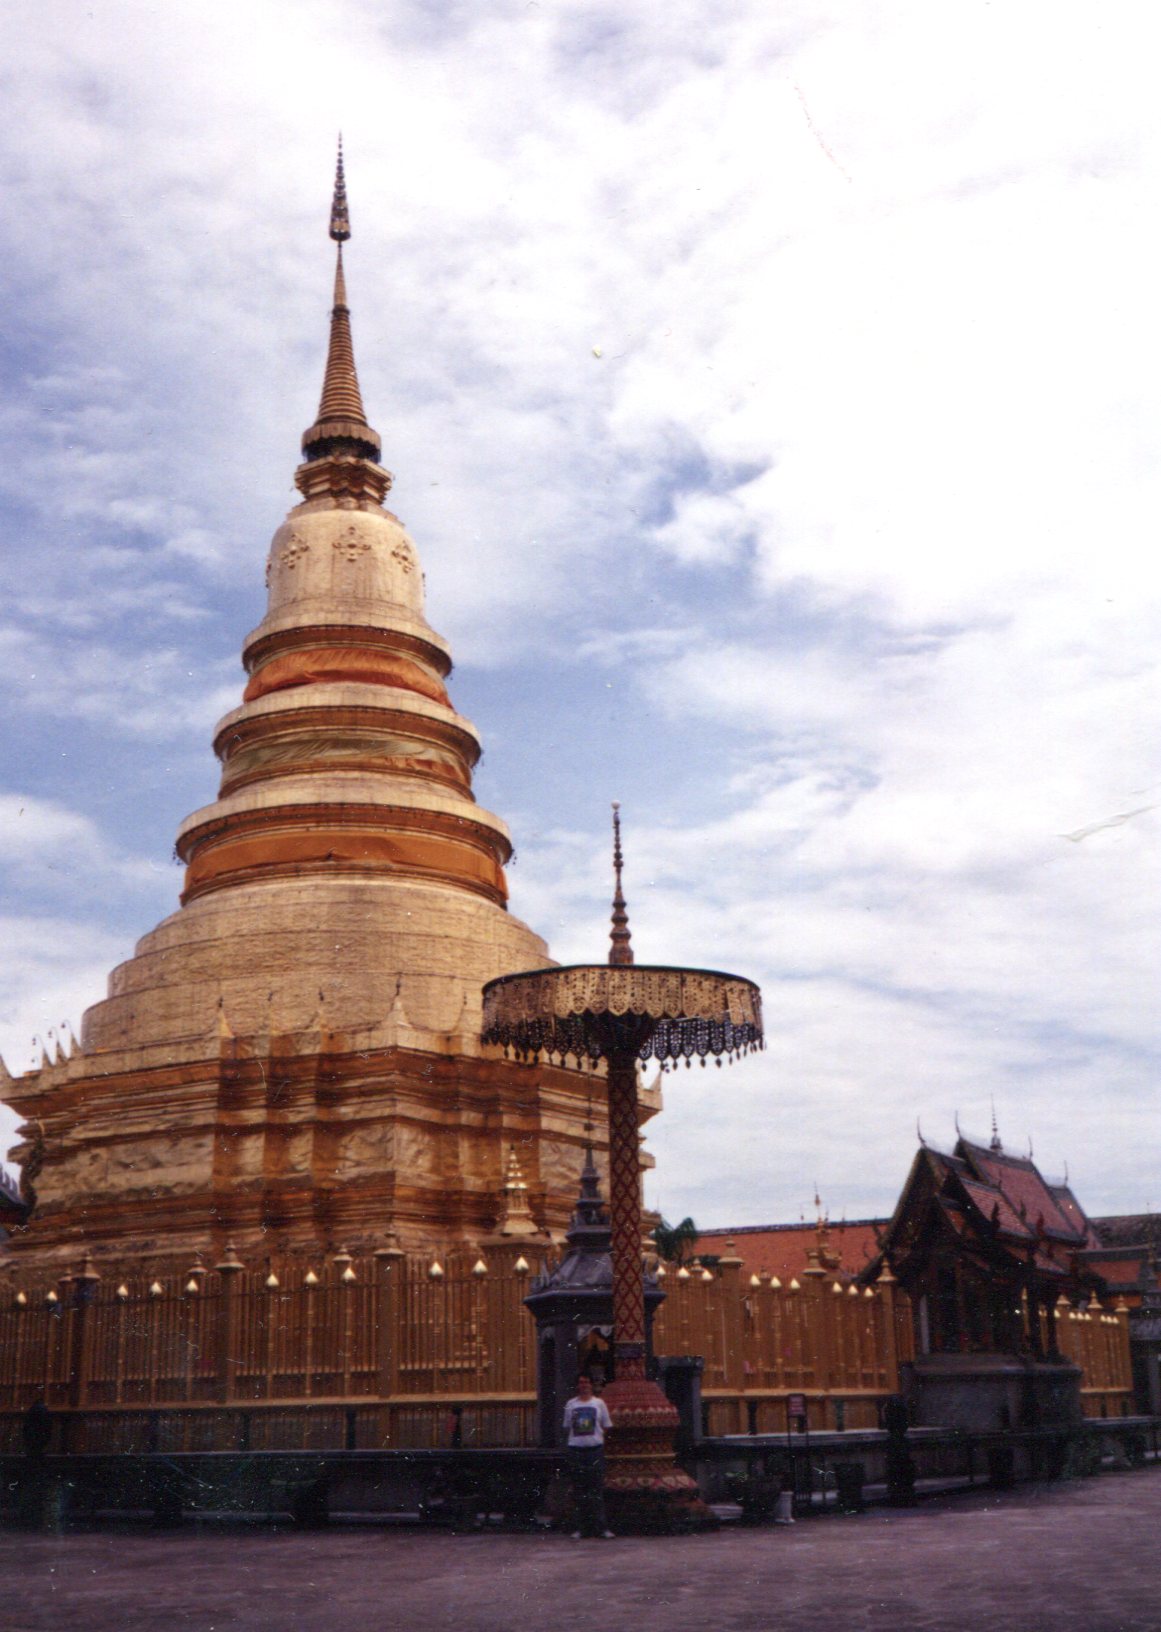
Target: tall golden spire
column 340, row 428
column 620, row 951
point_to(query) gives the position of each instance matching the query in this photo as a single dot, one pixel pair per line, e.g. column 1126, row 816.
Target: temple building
column 292, row 1062
column 992, row 1256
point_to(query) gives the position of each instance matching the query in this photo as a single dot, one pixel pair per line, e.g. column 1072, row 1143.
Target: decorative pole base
column 624, row 1013
column 646, row 1492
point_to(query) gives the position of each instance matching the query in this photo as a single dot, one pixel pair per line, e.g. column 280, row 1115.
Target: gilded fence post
column 728, row 1290
column 226, row 1350
column 793, row 1315
column 387, row 1293
column 84, row 1290
column 1124, row 1355
column 888, row 1288
column 779, row 1337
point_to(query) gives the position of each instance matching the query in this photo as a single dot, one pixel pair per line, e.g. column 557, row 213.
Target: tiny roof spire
column 994, row 1143
column 620, row 951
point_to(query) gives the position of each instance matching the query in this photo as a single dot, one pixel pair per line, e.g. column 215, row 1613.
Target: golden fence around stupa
column 385, row 1351
column 837, row 1344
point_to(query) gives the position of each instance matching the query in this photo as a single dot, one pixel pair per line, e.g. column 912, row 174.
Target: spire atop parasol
column 620, row 951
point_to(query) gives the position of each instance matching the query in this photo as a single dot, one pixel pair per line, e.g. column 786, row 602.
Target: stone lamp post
column 623, row 1013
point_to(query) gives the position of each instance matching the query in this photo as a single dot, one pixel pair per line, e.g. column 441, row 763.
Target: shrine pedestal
column 979, row 1392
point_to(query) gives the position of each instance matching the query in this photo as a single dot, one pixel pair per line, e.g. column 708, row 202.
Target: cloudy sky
column 772, row 393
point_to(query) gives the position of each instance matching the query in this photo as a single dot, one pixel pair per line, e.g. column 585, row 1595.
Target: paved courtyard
column 1079, row 1557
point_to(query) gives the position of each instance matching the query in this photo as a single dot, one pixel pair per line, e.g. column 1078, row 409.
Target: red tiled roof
column 1128, row 1230
column 781, row 1249
column 1075, row 1214
column 1021, row 1183
column 986, row 1199
column 1116, row 1271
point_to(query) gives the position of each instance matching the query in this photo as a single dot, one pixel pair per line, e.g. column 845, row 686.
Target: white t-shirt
column 587, row 1421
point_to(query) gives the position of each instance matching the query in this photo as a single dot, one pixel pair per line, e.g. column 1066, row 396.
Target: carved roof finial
column 620, row 951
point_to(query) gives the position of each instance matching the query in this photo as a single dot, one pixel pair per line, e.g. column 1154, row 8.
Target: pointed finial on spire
column 340, row 216
column 340, row 449
column 994, row 1143
column 620, row 951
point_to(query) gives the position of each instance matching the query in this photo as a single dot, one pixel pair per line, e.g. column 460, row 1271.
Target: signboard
column 796, row 1413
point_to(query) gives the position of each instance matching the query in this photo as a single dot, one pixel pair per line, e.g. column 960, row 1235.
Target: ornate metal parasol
column 622, row 1012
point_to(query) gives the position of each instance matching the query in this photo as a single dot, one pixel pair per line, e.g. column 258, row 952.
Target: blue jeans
column 587, row 1464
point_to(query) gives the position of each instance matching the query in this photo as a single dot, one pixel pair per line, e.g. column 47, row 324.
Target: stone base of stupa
column 289, row 1144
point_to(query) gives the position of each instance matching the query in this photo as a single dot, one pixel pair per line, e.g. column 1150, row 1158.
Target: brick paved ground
column 1079, row 1557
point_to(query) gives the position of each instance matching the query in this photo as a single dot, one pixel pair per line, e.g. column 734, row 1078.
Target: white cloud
column 60, row 859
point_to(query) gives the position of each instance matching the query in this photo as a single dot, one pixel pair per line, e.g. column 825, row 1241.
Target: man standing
column 587, row 1420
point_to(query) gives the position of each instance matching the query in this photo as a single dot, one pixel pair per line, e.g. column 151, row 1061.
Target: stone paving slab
column 1077, row 1557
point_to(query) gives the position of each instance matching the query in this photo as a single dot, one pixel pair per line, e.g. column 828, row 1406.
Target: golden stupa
column 292, row 1059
